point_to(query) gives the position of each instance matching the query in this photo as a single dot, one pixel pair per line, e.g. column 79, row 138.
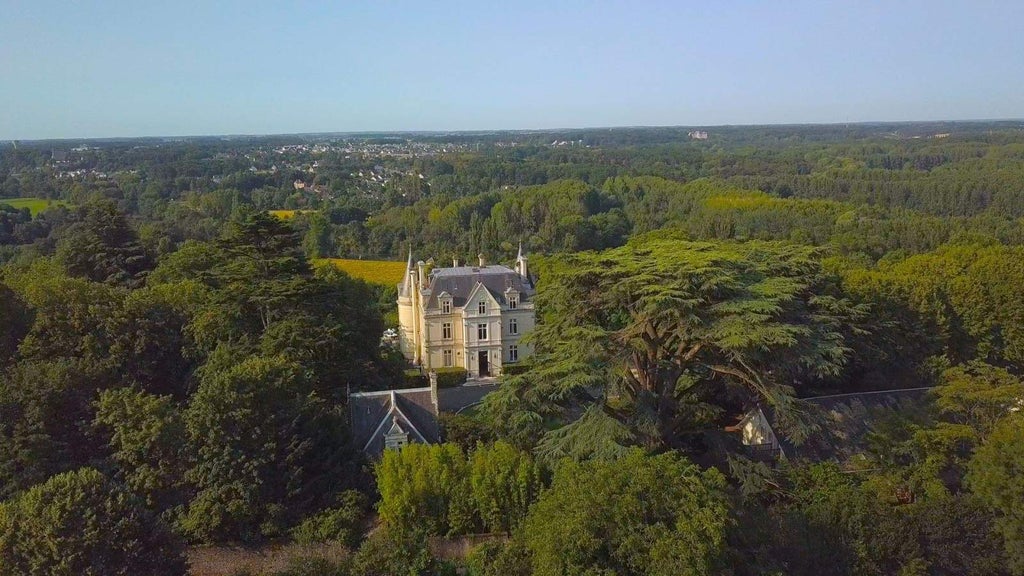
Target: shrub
column 514, row 369
column 451, row 377
column 640, row 514
column 464, row 430
column 426, row 487
column 497, row 558
column 339, row 524
column 389, row 552
column 505, row 482
column 414, row 379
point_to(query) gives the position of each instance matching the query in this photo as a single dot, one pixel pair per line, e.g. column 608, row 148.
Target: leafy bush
column 636, row 515
column 414, row 379
column 451, row 377
column 389, row 552
column 497, row 558
column 514, row 369
column 505, row 482
column 464, row 430
column 426, row 487
column 341, row 523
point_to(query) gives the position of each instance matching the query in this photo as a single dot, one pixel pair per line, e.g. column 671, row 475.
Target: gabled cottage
column 848, row 421
column 390, row 419
column 394, row 418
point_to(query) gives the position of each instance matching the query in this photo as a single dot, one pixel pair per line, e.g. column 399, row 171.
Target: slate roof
column 462, row 397
column 849, row 421
column 375, row 413
column 459, row 283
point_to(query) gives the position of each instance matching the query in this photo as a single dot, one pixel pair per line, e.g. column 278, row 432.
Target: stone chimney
column 432, row 375
column 483, row 260
column 421, row 266
column 455, row 262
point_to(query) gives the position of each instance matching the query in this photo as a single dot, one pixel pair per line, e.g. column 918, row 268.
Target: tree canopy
column 662, row 333
column 80, row 523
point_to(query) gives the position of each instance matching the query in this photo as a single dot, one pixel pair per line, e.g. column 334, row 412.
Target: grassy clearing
column 384, row 272
column 34, row 205
column 230, row 560
column 288, row 214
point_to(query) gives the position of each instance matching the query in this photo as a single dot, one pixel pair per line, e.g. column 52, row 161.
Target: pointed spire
column 405, row 289
column 521, row 264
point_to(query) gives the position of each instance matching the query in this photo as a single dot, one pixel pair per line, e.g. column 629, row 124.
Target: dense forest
column 176, row 363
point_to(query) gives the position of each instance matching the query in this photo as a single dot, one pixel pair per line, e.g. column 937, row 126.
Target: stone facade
column 471, row 317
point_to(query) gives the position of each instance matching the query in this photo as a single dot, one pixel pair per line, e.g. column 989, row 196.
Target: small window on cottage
column 513, row 302
column 513, row 326
column 513, row 353
column 446, row 306
column 481, row 331
column 447, row 354
column 446, row 331
column 396, row 441
column 482, row 307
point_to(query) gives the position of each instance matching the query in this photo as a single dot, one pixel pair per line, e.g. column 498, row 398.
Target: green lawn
column 35, row 205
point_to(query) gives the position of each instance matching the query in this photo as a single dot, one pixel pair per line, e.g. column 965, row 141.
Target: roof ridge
column 399, row 391
column 868, row 393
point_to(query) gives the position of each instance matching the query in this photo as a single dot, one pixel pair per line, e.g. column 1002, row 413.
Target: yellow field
column 289, row 214
column 383, row 272
column 35, row 205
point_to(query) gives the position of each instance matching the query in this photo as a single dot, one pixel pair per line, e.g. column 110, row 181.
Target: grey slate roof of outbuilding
column 461, row 397
column 850, row 420
column 374, row 413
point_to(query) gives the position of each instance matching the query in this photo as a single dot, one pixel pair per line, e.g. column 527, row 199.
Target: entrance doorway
column 484, row 365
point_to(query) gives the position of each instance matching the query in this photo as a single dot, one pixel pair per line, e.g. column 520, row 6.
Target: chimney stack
column 432, row 376
column 422, row 268
column 483, row 261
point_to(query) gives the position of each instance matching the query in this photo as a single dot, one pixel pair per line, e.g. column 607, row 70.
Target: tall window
column 447, row 354
column 513, row 353
column 446, row 331
column 446, row 306
column 481, row 331
column 513, row 326
column 482, row 307
column 513, row 302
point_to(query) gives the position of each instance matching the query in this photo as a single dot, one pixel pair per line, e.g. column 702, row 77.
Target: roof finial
column 520, row 255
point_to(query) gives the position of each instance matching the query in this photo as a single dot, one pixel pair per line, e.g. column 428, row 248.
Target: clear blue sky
column 119, row 68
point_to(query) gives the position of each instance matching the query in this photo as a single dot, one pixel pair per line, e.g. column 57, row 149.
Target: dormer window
column 482, row 307
column 512, row 297
column 446, row 306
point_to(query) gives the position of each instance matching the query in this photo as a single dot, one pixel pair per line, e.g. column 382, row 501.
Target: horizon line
column 508, row 130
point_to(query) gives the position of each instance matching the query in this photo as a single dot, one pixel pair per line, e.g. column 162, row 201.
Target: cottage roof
column 850, row 420
column 374, row 414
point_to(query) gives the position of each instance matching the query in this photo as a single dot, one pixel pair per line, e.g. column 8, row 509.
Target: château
column 471, row 317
